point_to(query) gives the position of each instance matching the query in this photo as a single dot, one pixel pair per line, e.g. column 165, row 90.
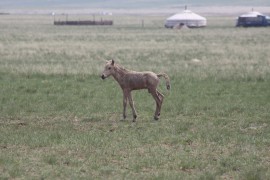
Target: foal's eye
column 109, row 68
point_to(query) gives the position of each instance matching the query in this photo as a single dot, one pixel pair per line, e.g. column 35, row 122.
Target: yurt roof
column 186, row 15
column 252, row 14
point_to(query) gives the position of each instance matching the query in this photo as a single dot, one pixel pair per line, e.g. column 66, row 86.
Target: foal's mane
column 121, row 69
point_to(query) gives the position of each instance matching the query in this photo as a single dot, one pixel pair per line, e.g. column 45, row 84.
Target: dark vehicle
column 253, row 19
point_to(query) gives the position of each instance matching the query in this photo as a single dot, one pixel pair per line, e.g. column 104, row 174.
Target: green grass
column 59, row 120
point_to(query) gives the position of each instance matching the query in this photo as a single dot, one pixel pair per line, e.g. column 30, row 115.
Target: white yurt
column 187, row 18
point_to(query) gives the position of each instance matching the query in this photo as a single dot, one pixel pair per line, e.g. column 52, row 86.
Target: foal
column 132, row 80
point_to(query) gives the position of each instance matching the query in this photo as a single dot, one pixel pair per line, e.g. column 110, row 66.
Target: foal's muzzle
column 102, row 76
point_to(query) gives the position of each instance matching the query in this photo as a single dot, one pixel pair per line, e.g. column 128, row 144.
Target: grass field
column 59, row 120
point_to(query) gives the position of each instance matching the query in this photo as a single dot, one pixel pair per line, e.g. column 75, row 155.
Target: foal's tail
column 167, row 79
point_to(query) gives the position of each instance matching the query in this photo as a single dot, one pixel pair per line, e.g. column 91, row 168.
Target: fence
column 105, row 22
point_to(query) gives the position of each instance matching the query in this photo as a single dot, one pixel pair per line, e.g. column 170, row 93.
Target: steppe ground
column 59, row 120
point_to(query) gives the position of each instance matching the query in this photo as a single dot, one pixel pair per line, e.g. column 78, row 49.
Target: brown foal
column 132, row 80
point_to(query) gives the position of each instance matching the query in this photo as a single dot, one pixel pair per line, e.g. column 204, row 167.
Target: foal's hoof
column 156, row 117
column 134, row 118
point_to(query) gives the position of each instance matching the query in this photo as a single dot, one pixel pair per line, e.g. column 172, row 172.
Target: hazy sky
column 126, row 3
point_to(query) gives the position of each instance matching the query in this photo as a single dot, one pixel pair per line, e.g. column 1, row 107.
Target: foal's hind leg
column 124, row 105
column 158, row 103
column 161, row 96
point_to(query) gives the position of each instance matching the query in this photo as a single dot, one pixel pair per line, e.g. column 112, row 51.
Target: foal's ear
column 112, row 62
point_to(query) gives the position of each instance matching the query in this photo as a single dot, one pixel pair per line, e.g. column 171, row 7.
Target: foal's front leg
column 132, row 106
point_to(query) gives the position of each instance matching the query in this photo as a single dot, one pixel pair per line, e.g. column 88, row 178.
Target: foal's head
column 108, row 70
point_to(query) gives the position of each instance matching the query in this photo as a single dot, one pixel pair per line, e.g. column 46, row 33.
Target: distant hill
column 129, row 4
